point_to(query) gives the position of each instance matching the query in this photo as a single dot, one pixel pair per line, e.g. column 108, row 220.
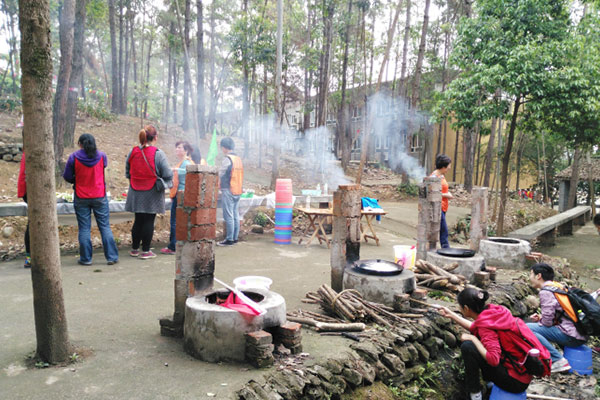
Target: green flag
column 213, row 149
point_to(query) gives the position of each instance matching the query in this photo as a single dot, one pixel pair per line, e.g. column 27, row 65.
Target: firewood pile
column 348, row 311
column 439, row 278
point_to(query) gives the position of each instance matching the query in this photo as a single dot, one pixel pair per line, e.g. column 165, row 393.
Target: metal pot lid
column 377, row 267
column 455, row 252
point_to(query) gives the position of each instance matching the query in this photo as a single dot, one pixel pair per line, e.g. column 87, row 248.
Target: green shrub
column 96, row 110
column 261, row 219
column 408, row 188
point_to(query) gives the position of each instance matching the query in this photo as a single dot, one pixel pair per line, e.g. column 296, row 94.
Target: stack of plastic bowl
column 283, row 211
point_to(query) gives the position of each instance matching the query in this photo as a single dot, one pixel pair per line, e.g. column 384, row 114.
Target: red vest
column 89, row 181
column 142, row 176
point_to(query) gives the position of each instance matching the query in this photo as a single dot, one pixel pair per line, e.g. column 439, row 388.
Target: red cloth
column 143, row 177
column 21, row 184
column 496, row 324
column 233, row 302
column 89, row 181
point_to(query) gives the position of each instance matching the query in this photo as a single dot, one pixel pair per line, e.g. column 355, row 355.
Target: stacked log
column 439, row 278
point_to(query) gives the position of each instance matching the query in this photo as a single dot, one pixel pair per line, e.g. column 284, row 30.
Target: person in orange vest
column 183, row 152
column 85, row 170
column 231, row 177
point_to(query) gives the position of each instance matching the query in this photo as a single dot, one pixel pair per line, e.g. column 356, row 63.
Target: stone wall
column 395, row 357
column 11, row 151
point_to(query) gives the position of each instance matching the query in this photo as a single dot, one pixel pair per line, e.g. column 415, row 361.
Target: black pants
column 474, row 362
column 142, row 231
column 27, row 246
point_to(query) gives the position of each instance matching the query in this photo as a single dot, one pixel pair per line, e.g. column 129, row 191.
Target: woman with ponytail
column 183, row 151
column 85, row 170
column 145, row 163
column 493, row 344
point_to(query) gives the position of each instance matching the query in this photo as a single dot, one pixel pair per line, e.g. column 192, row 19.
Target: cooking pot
column 377, row 267
column 455, row 252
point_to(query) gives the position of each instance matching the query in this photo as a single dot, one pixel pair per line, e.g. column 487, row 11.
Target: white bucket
column 405, row 255
column 262, row 283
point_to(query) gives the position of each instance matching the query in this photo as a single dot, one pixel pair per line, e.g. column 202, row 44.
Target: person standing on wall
column 146, row 165
column 183, row 152
column 85, row 170
column 231, row 177
column 442, row 164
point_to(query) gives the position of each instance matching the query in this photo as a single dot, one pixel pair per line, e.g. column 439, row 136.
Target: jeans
column 547, row 334
column 474, row 362
column 142, row 231
column 83, row 211
column 231, row 214
column 444, row 232
column 172, row 237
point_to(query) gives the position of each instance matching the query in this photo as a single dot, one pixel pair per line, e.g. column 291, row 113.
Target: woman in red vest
column 144, row 164
column 22, row 192
column 85, row 170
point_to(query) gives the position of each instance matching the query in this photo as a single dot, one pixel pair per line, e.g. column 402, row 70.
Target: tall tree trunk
column 200, row 65
column 67, row 19
column 169, row 79
column 520, row 144
column 370, row 116
column 416, row 85
column 175, row 89
column 114, row 67
column 36, row 86
column 147, row 88
column 106, row 86
column 121, row 99
column 343, row 132
column 468, row 137
column 478, row 168
column 76, row 71
column 505, row 162
column 328, row 8
column 572, row 199
column 187, row 76
column 406, row 38
column 489, row 153
column 591, row 183
column 128, row 26
column 212, row 85
column 496, row 181
column 278, row 92
column 455, row 155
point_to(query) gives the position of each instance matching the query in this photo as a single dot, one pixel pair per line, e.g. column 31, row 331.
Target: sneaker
column 476, row 396
column 113, row 262
column 27, row 263
column 134, row 253
column 560, row 366
column 83, row 262
column 167, row 250
column 147, row 254
column 226, row 243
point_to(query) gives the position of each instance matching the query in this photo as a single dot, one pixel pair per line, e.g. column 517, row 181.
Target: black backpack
column 582, row 305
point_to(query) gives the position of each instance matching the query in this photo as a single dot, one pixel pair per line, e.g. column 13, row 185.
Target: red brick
column 181, row 227
column 203, row 232
column 192, row 190
column 259, row 337
column 204, row 216
column 180, row 195
column 289, row 329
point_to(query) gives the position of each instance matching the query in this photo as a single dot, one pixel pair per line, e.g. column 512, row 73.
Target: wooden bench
column 548, row 228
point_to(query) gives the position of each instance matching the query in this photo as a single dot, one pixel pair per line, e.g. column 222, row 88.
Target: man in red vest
column 85, row 170
column 231, row 177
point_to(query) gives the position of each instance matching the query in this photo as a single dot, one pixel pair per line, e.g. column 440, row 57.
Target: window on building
column 416, row 143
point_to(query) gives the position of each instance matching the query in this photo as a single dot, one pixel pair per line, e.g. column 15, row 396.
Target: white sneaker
column 561, row 365
column 476, row 396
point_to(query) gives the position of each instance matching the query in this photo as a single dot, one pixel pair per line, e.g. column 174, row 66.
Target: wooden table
column 317, row 216
column 369, row 216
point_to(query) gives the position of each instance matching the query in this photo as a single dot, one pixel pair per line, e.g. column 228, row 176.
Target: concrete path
column 114, row 311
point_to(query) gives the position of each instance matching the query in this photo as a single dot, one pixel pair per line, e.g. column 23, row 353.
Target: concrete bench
column 547, row 229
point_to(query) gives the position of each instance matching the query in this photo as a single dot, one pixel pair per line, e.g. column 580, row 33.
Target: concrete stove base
column 467, row 266
column 214, row 333
column 498, row 253
column 379, row 289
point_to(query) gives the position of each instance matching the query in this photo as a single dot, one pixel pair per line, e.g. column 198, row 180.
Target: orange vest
column 237, row 175
column 173, row 190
